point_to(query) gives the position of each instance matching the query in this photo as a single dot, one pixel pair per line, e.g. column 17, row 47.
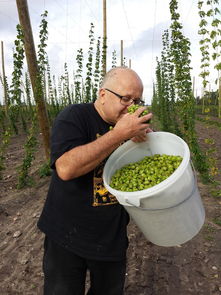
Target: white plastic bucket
column 171, row 212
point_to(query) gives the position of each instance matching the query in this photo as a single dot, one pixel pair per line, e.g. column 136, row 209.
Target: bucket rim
column 149, row 192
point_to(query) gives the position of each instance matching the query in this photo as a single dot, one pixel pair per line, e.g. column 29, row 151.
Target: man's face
column 124, row 84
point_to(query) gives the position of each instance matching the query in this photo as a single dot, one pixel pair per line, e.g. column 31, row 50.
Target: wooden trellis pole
column 121, row 52
column 30, row 53
column 219, row 99
column 5, row 101
column 104, row 37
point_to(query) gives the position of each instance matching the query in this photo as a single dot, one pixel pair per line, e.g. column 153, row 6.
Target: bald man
column 84, row 225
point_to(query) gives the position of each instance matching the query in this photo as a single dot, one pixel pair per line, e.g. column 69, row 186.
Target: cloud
column 8, row 16
column 148, row 41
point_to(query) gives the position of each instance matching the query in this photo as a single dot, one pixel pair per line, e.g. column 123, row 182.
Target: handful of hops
column 145, row 173
column 131, row 109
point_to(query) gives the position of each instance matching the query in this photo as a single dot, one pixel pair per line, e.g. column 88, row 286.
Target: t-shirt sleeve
column 69, row 131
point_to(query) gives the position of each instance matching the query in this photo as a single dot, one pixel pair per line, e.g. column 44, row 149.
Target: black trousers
column 65, row 273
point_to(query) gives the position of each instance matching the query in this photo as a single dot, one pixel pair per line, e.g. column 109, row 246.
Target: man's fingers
column 149, row 130
column 142, row 136
column 139, row 111
column 147, row 117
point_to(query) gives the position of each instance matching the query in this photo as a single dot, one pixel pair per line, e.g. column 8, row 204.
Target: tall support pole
column 203, row 100
column 5, row 101
column 193, row 85
column 121, row 52
column 30, row 53
column 104, row 38
column 219, row 99
column 129, row 63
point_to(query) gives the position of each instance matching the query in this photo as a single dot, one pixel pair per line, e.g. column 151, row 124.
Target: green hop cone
column 131, row 109
column 145, row 173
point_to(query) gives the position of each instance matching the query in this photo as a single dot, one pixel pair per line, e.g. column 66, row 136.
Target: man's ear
column 102, row 95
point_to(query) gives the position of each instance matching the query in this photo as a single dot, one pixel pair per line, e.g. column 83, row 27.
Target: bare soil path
column 192, row 268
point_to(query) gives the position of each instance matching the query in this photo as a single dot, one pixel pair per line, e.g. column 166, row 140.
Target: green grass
column 209, row 228
column 216, row 193
column 217, row 220
column 209, row 122
column 208, row 232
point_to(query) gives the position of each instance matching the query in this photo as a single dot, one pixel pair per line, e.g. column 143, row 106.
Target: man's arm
column 82, row 159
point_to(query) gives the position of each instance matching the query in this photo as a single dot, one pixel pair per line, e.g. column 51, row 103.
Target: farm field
column 191, row 268
column 31, row 100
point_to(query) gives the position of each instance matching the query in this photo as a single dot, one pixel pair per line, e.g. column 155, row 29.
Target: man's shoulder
column 74, row 109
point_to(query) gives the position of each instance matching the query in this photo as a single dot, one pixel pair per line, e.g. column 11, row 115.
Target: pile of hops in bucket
column 145, row 173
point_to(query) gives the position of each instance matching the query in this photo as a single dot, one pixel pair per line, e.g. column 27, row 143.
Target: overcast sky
column 140, row 23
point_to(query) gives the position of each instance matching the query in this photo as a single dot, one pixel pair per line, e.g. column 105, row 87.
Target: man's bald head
column 118, row 82
column 115, row 75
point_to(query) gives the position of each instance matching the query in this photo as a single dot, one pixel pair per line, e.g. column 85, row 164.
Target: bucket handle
column 158, row 209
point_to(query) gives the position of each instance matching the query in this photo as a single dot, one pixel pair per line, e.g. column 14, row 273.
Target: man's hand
column 132, row 125
column 142, row 136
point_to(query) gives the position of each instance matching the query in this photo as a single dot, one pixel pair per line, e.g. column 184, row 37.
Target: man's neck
column 99, row 109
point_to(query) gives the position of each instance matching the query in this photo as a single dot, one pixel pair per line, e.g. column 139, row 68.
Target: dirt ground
column 191, row 268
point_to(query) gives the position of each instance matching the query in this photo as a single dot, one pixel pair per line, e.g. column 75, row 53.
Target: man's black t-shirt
column 80, row 214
